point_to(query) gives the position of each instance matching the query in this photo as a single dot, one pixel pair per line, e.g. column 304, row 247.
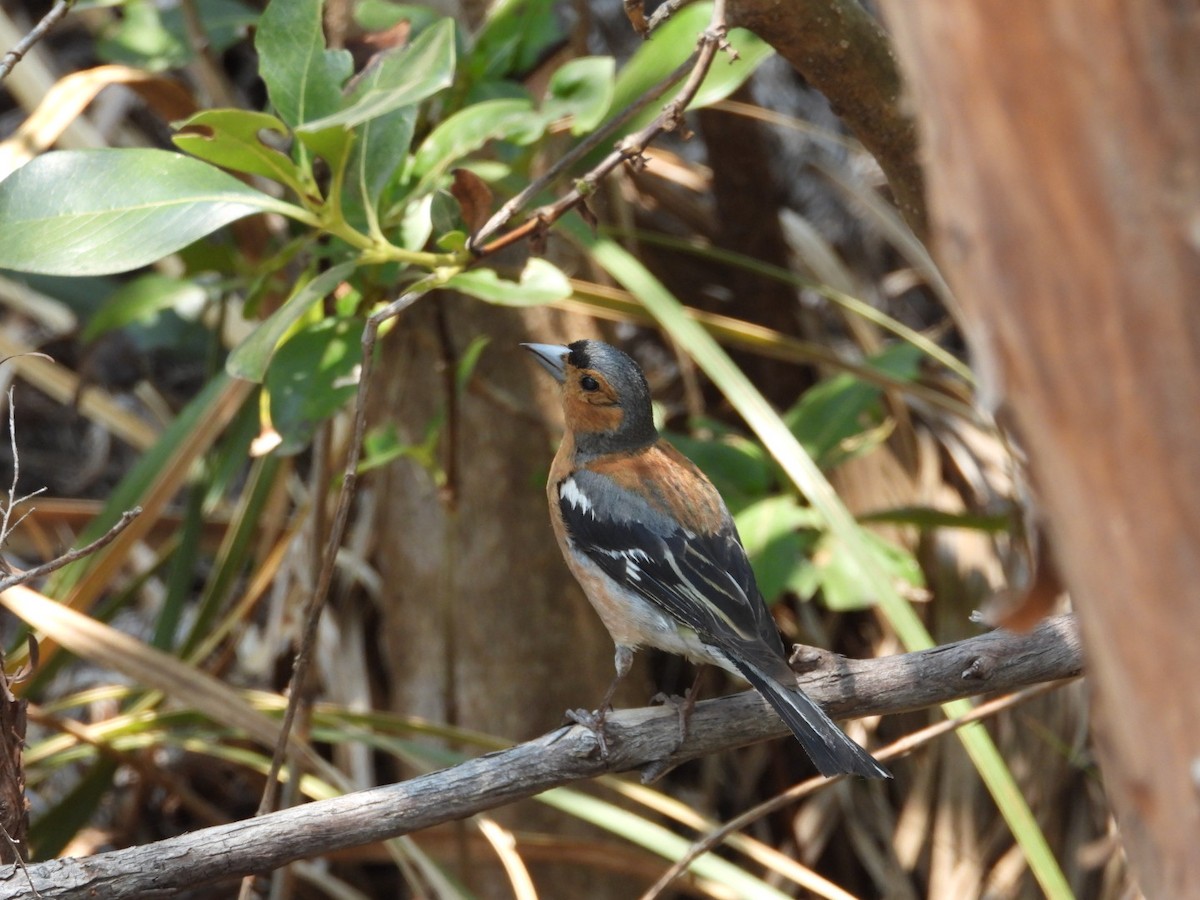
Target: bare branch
column 71, row 555
column 997, row 661
column 39, row 31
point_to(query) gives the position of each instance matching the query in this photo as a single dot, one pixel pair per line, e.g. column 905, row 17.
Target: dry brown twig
column 628, row 151
column 39, row 31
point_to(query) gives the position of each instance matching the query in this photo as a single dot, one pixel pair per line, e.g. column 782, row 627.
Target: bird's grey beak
column 552, row 357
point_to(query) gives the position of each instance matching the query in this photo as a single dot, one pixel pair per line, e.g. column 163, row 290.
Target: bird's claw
column 595, row 722
column 683, row 710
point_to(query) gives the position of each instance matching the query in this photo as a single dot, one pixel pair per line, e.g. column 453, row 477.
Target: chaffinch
column 654, row 548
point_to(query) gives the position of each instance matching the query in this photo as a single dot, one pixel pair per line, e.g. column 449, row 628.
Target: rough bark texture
column 14, row 808
column 842, row 51
column 1062, row 148
column 643, row 738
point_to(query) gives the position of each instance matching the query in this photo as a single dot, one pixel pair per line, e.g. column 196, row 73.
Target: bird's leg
column 595, row 720
column 683, row 705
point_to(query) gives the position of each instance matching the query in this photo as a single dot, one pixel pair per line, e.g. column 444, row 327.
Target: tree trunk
column 1062, row 151
column 483, row 625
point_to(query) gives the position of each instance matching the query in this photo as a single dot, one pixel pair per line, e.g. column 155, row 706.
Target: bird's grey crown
column 633, row 393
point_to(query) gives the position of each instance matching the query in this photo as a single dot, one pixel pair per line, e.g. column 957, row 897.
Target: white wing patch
column 632, row 557
column 570, row 492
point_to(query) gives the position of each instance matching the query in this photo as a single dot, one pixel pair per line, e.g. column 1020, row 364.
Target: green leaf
column 157, row 39
column 769, row 529
column 841, row 408
column 225, row 22
column 378, row 153
column 513, row 39
column 380, row 15
column 303, row 79
column 94, row 212
column 232, row 138
column 468, row 361
column 670, row 45
column 541, row 282
column 403, row 76
column 843, row 586
column 139, row 38
column 251, row 358
column 311, row 376
column 139, row 300
column 583, row 89
column 469, row 129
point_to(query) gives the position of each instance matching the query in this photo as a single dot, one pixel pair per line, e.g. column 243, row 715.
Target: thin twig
column 629, row 150
column 578, row 152
column 71, row 555
column 904, row 745
column 49, row 20
column 663, row 13
column 19, row 860
column 316, row 601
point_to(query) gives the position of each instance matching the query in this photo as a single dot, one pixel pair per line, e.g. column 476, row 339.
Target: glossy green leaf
column 93, row 212
column 252, row 356
column 140, row 299
column 231, row 138
column 304, row 80
column 583, row 89
column 468, row 130
column 403, row 76
column 311, row 376
column 541, row 282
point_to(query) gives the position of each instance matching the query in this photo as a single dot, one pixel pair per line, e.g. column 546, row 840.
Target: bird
column 655, row 549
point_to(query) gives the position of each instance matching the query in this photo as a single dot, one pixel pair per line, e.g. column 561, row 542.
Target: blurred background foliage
column 202, row 364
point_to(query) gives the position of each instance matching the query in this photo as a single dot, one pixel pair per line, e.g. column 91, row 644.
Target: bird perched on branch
column 655, row 549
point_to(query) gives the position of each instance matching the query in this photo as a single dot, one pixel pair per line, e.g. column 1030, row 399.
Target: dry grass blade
column 112, row 649
column 63, row 385
column 505, row 845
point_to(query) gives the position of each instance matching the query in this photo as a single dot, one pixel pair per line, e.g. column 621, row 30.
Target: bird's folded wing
column 703, row 580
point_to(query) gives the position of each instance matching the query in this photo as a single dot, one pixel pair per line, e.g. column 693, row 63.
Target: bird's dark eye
column 589, row 384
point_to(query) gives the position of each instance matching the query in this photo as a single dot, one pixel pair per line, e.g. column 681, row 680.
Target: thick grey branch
column 639, row 738
column 843, row 51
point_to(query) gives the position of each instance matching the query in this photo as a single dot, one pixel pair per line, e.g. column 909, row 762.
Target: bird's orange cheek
column 586, row 417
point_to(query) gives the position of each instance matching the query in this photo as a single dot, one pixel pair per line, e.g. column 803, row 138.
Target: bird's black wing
column 703, row 580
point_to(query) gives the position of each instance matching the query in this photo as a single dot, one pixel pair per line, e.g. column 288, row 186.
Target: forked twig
column 71, row 556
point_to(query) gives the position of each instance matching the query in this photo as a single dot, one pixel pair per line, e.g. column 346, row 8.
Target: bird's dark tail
column 825, row 743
